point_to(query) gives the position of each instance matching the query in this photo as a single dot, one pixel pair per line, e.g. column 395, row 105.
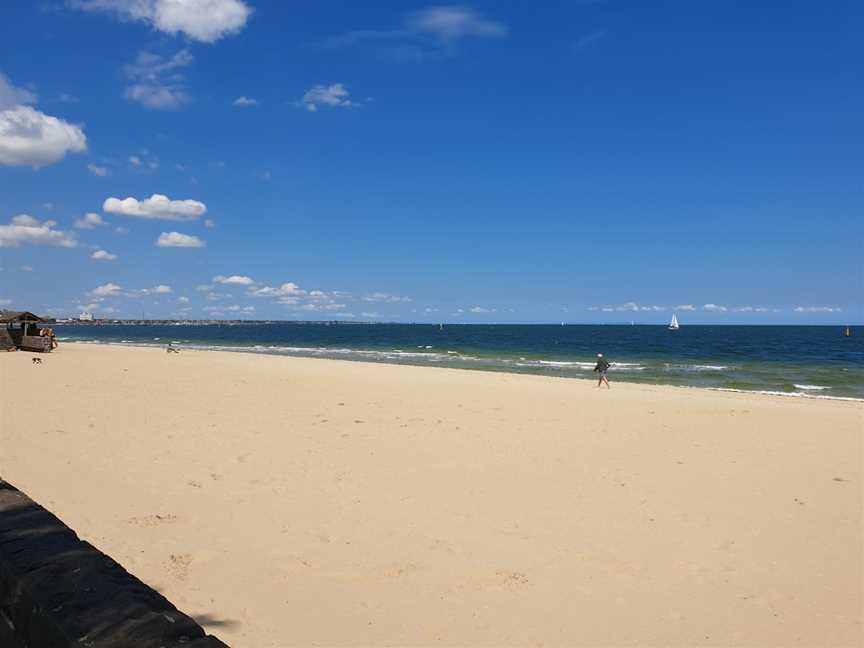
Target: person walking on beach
column 602, row 366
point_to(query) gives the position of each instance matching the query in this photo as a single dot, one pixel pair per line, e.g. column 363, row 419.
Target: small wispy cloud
column 111, row 289
column 103, row 255
column 627, row 307
column 428, row 33
column 715, row 308
column 335, row 95
column 385, row 297
column 583, row 42
column 818, row 309
column 178, row 240
column 90, row 221
column 451, row 23
column 234, row 280
column 245, row 102
column 155, row 82
column 97, row 170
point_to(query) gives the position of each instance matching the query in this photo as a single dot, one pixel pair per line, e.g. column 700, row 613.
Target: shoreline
column 310, row 356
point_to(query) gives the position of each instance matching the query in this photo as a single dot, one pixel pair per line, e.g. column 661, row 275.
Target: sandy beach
column 307, row 502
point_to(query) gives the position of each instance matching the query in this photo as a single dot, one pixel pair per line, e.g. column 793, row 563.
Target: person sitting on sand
column 171, row 348
column 601, row 367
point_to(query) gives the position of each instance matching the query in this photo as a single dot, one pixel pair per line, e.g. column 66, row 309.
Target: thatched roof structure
column 7, row 317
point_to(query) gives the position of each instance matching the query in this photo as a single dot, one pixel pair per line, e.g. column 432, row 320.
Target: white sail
column 673, row 325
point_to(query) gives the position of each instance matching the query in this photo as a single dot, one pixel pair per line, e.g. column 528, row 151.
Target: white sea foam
column 768, row 392
column 584, row 366
column 697, row 367
column 399, row 355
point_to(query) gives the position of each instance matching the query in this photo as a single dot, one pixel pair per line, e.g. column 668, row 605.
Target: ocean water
column 804, row 361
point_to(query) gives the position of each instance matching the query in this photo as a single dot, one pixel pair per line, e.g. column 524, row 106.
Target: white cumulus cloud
column 157, row 207
column 29, row 137
column 161, row 289
column 26, row 229
column 90, row 221
column 102, row 255
column 107, row 290
column 245, row 102
column 202, row 20
column 685, row 307
column 97, row 170
column 237, row 280
column 715, row 308
column 288, row 289
column 176, row 239
column 111, row 289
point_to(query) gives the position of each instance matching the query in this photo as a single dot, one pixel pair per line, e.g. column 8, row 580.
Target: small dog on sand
column 37, row 360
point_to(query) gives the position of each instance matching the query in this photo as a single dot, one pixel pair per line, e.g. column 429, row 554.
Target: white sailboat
column 673, row 325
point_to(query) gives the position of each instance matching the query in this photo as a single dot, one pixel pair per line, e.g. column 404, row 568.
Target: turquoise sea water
column 807, row 361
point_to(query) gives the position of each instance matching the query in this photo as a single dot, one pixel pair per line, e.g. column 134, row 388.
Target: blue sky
column 595, row 161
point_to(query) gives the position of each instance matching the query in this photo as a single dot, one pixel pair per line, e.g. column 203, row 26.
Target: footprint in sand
column 400, row 569
column 511, row 579
column 178, row 565
column 152, row 520
column 502, row 579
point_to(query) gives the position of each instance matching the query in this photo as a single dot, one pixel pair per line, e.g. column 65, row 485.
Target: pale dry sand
column 295, row 502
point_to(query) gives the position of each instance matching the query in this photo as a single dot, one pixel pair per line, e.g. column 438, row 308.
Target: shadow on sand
column 58, row 590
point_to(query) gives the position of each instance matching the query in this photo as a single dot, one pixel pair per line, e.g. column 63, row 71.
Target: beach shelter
column 20, row 329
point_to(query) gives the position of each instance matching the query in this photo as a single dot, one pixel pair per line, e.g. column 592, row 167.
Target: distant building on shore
column 85, row 316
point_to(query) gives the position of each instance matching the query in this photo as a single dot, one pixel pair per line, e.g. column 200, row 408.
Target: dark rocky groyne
column 57, row 591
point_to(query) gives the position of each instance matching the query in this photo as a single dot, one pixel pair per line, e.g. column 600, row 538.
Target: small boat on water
column 673, row 325
column 847, row 332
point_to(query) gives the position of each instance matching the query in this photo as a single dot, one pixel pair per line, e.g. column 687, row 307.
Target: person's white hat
column 599, row 355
